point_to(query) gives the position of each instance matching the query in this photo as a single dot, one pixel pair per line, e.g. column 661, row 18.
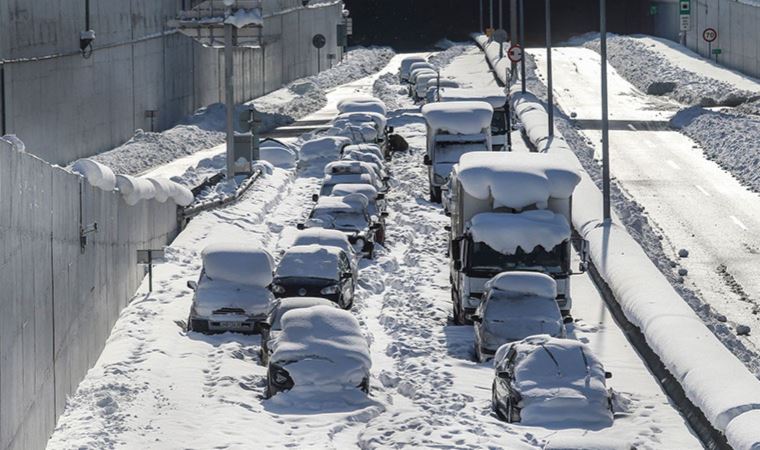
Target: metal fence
column 59, row 299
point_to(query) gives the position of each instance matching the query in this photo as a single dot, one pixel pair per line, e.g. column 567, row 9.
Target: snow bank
column 459, row 117
column 321, row 347
column 278, row 154
column 496, row 97
column 670, row 326
column 135, row 189
column 328, row 147
column 310, row 261
column 524, row 284
column 742, row 431
column 98, row 175
column 237, row 262
column 527, row 230
column 516, row 180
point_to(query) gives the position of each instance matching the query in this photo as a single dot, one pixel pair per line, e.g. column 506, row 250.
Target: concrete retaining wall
column 738, row 26
column 66, row 107
column 57, row 302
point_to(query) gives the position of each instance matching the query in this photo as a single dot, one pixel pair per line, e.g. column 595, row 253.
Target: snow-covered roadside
column 670, row 326
column 204, row 129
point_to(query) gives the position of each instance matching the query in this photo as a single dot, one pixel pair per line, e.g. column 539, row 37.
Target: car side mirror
column 567, row 320
column 265, row 326
column 192, row 285
column 384, row 214
column 457, row 265
column 476, row 318
column 426, row 160
column 301, row 226
column 380, row 197
column 315, row 197
column 607, row 375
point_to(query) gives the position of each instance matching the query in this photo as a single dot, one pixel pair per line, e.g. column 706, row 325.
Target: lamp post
column 549, row 87
column 605, row 116
column 522, row 44
column 229, row 95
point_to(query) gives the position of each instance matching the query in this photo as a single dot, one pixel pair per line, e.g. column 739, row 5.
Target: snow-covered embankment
column 688, row 349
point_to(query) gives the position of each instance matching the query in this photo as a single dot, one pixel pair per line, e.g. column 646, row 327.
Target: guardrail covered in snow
column 712, row 378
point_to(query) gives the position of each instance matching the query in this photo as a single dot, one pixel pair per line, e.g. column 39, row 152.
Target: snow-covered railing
column 712, row 378
column 193, row 210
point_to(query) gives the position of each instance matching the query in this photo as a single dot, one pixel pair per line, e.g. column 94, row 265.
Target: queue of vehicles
column 300, row 300
column 510, row 253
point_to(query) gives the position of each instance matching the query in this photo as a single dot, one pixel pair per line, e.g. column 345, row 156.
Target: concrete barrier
column 59, row 301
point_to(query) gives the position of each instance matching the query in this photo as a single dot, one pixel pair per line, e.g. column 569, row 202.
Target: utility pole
column 522, row 44
column 605, row 116
column 501, row 14
column 513, row 31
column 480, row 4
column 491, row 13
column 229, row 96
column 549, row 87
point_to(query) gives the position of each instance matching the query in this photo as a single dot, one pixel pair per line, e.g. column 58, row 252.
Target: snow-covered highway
column 696, row 205
column 158, row 386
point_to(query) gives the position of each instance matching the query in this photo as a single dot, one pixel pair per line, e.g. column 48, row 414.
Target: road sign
column 349, row 26
column 685, row 6
column 500, row 36
column 717, row 51
column 319, row 40
column 652, row 10
column 685, row 22
column 709, row 35
column 515, row 53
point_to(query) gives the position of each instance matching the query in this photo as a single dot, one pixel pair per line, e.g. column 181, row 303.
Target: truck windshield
column 483, row 259
column 499, row 123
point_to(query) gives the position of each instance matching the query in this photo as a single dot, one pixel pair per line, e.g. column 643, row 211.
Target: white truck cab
column 454, row 129
column 510, row 212
column 498, row 100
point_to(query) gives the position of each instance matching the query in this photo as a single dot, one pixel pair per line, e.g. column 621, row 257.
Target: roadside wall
column 66, row 107
column 737, row 23
column 57, row 302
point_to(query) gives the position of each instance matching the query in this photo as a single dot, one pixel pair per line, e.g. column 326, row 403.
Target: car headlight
column 438, row 179
column 333, row 289
column 277, row 289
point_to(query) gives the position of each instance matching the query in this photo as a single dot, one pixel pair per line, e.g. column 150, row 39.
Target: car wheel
column 495, row 403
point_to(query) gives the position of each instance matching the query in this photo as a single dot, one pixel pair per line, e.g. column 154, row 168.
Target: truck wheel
column 435, row 194
column 458, row 312
column 495, row 403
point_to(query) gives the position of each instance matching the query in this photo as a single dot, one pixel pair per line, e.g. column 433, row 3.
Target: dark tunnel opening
column 418, row 24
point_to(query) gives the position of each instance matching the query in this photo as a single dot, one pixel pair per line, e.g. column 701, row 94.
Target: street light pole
column 522, row 44
column 549, row 87
column 491, row 13
column 480, row 4
column 229, row 98
column 501, row 14
column 605, row 115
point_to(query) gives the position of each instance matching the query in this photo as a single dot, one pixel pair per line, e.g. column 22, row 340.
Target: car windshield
column 483, row 258
column 451, row 152
column 343, row 220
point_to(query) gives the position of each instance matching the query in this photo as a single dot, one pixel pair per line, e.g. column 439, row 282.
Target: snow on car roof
column 322, row 336
column 560, row 381
column 406, row 63
column 365, row 148
column 310, row 261
column 526, row 230
column 420, row 65
column 350, row 178
column 495, row 96
column 363, row 117
column 238, row 263
column 458, row 117
column 322, row 236
column 516, row 180
column 365, row 189
column 356, row 201
column 348, row 166
column 365, row 156
column 324, row 147
column 283, row 305
column 362, row 104
column 520, row 284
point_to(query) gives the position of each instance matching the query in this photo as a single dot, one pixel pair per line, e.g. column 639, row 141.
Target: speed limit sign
column 515, row 53
column 710, row 35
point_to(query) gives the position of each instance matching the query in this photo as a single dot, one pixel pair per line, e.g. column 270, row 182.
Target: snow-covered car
column 516, row 305
column 325, row 147
column 349, row 214
column 423, row 82
column 373, row 149
column 543, row 380
column 316, row 271
column 272, row 326
column 232, row 292
column 362, row 104
column 357, row 132
column 329, row 182
column 278, row 153
column 433, row 91
column 349, row 167
column 417, row 68
column 379, row 120
column 406, row 66
column 377, row 204
column 320, row 350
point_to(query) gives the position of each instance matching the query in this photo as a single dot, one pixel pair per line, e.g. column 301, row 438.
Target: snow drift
column 97, row 174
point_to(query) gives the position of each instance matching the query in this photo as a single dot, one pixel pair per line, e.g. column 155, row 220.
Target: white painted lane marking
column 672, row 164
column 631, row 127
column 702, row 190
column 738, row 222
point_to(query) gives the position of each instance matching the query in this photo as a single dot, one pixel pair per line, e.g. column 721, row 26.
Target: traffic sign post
column 515, row 53
column 717, row 52
column 710, row 35
column 319, row 41
column 684, row 8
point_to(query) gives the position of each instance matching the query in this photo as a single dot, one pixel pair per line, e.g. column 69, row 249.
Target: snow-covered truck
column 498, row 100
column 510, row 212
column 453, row 129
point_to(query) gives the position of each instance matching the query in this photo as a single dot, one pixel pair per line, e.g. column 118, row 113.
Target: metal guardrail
column 186, row 214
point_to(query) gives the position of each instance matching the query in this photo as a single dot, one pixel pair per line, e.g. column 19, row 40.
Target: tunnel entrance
column 408, row 25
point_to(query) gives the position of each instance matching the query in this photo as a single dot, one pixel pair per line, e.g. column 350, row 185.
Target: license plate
column 228, row 325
